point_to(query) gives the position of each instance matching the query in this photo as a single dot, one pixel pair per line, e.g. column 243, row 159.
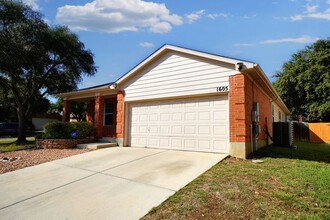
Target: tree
column 7, row 106
column 37, row 59
column 304, row 82
column 78, row 109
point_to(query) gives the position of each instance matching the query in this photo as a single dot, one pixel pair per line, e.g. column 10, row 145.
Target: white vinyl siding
column 176, row 74
column 199, row 124
column 278, row 113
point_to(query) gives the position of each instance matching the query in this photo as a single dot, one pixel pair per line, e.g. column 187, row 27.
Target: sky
column 122, row 33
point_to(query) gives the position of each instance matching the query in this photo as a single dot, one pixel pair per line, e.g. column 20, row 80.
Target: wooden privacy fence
column 319, row 132
column 300, row 131
column 313, row 132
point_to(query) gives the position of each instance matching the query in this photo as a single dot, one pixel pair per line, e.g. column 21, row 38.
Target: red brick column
column 120, row 119
column 90, row 108
column 240, row 102
column 66, row 110
column 98, row 117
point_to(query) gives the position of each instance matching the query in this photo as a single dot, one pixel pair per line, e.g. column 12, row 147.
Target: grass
column 290, row 184
column 9, row 144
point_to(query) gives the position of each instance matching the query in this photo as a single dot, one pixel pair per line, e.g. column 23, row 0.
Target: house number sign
column 222, row 89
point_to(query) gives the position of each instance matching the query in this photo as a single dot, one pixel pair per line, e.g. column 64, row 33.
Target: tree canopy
column 38, row 59
column 304, row 82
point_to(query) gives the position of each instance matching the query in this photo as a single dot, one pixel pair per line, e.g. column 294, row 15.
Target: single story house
column 183, row 99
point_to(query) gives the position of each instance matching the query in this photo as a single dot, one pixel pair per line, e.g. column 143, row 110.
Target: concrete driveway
column 113, row 183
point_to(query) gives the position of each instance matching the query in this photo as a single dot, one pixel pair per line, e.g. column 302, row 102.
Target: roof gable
column 166, row 48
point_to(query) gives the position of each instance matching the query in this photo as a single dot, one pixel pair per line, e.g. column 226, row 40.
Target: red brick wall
column 243, row 92
column 98, row 118
column 264, row 111
column 120, row 115
column 238, row 109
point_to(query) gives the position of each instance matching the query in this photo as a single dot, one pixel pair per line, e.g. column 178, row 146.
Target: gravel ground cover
column 10, row 161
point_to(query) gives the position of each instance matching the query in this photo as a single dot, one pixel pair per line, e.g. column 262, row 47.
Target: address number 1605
column 222, row 89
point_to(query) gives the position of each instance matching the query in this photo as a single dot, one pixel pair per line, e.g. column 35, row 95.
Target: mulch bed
column 10, row 161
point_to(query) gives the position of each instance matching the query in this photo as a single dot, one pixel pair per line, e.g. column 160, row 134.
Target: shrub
column 83, row 129
column 58, row 130
column 65, row 130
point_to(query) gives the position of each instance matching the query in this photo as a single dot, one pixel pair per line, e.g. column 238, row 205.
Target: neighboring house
column 41, row 119
column 183, row 99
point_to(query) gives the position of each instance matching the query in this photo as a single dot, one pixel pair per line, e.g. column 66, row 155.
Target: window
column 279, row 116
column 255, row 114
column 108, row 114
column 273, row 113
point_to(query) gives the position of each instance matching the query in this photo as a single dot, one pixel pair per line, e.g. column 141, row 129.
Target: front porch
column 104, row 109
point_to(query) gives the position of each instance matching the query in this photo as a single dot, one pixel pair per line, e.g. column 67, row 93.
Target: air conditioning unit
column 283, row 134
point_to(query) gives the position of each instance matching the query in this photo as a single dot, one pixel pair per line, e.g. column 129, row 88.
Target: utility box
column 282, row 134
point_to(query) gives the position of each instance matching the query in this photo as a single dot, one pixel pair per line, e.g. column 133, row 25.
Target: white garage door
column 200, row 124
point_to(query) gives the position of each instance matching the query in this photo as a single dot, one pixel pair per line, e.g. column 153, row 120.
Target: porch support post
column 98, row 118
column 66, row 110
column 120, row 123
column 90, row 111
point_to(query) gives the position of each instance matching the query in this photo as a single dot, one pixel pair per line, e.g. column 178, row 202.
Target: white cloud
column 296, row 18
column 146, row 44
column 215, row 16
column 32, row 3
column 303, row 39
column 245, row 45
column 311, row 8
column 195, row 16
column 249, row 16
column 113, row 16
column 311, row 13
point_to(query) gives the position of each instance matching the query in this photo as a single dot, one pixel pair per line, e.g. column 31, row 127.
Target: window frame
column 279, row 116
column 108, row 113
column 272, row 109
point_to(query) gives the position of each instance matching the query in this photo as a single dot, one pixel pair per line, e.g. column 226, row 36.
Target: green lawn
column 290, row 184
column 8, row 144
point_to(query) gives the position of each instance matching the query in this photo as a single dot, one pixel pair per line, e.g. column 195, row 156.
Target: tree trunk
column 21, row 125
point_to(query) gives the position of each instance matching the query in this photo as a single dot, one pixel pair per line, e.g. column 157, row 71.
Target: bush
column 66, row 130
column 83, row 129
column 58, row 130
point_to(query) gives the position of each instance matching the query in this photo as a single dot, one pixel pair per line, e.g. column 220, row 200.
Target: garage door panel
column 189, row 124
column 220, row 115
column 204, row 144
column 177, row 116
column 220, row 145
column 189, row 144
column 220, row 130
column 176, row 143
column 204, row 115
column 177, row 130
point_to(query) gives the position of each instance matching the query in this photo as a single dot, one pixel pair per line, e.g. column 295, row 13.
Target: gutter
column 270, row 87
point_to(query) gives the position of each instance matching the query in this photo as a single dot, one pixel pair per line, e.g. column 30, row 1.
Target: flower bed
column 64, row 135
column 61, row 143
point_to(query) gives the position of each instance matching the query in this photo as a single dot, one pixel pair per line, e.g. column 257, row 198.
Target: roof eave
column 276, row 97
column 87, row 92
